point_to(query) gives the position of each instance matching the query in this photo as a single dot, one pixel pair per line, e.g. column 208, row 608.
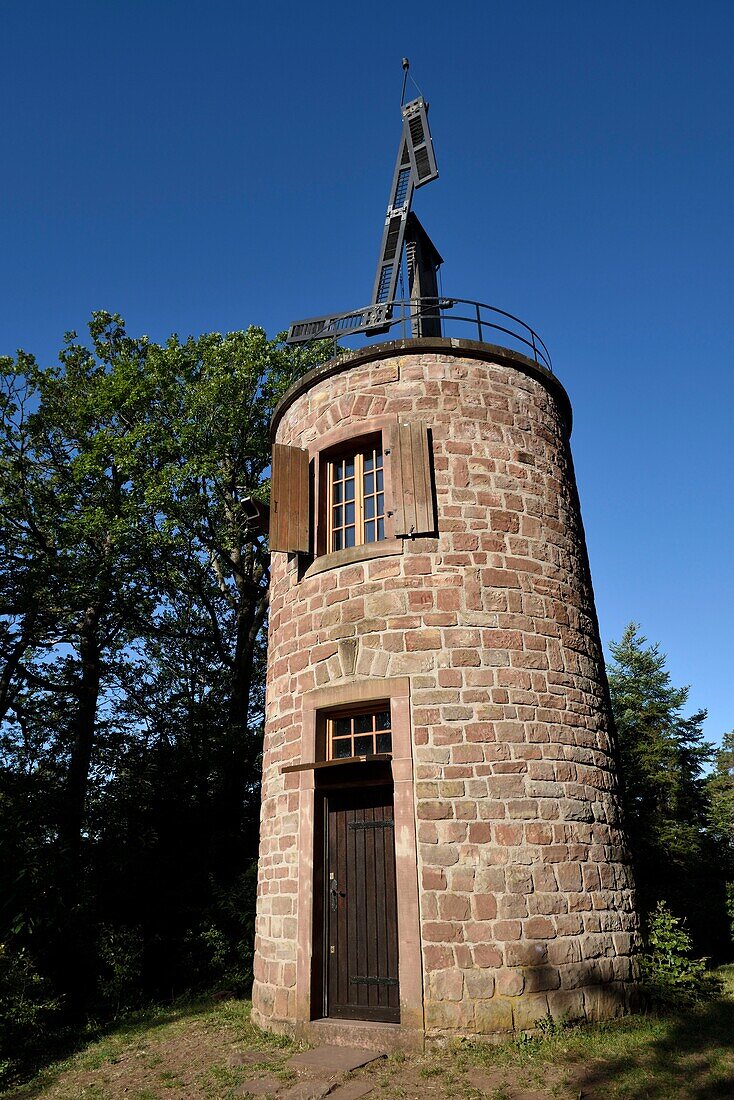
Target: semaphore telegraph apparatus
column 415, row 167
column 426, row 312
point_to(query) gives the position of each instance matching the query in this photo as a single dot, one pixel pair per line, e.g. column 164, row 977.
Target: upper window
column 355, row 507
column 365, row 733
column 349, row 494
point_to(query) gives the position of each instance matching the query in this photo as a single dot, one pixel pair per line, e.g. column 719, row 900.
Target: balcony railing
column 408, row 318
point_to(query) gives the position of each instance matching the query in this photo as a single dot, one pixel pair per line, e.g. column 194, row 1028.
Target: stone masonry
column 526, row 901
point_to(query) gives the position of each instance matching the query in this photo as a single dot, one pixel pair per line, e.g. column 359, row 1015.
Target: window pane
column 384, row 742
column 356, row 491
column 380, row 529
column 360, row 734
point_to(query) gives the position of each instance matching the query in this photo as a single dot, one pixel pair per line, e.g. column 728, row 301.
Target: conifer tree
column 663, row 756
column 720, row 788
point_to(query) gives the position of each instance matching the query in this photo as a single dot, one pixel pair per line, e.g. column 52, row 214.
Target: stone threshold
column 370, row 1034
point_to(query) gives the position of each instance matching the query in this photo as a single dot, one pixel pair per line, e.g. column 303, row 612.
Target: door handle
column 334, row 894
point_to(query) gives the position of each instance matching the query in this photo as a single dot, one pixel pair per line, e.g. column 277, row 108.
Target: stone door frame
column 410, row 968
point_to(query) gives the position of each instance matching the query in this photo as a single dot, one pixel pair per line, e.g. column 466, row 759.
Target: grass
column 185, row 1052
column 171, row 1052
column 689, row 1056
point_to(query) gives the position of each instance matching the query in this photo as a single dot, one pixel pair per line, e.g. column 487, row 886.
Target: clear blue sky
column 205, row 166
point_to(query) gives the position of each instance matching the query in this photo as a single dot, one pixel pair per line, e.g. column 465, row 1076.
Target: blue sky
column 205, row 166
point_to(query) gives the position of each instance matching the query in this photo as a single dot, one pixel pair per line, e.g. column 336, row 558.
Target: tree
column 132, row 640
column 71, row 530
column 662, row 758
column 202, row 446
column 720, row 789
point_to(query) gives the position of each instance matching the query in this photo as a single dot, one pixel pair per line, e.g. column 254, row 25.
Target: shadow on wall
column 594, row 991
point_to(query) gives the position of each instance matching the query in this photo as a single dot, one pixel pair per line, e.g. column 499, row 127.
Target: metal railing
column 406, row 318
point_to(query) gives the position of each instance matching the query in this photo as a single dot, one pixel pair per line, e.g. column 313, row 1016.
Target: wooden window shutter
column 410, row 472
column 289, row 495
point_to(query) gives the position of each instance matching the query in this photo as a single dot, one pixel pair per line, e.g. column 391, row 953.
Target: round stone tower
column 441, row 849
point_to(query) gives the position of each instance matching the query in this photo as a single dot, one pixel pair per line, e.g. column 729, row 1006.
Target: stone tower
column 441, row 849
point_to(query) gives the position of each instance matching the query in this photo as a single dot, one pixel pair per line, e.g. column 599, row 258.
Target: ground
column 211, row 1050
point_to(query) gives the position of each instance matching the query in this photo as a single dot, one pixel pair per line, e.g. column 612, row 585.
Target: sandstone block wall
column 526, row 903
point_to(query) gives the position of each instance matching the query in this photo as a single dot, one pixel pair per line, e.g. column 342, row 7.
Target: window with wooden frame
column 373, row 489
column 355, row 497
column 359, row 732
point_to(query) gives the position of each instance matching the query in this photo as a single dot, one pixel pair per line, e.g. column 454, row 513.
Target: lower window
column 359, row 733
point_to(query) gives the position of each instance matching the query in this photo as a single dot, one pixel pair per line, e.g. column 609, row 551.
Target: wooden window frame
column 356, row 711
column 373, row 436
column 356, row 450
column 343, row 438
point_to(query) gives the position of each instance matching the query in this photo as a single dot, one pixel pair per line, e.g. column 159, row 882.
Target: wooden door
column 360, row 906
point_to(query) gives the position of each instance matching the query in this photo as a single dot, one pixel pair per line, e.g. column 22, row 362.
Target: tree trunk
column 76, row 964
column 14, row 659
column 236, row 747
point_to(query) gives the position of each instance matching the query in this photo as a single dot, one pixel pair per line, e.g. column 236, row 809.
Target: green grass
column 184, row 1052
column 139, row 1035
column 689, row 1055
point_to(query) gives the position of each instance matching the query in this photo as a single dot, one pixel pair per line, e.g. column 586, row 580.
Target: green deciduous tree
column 71, row 525
column 134, row 594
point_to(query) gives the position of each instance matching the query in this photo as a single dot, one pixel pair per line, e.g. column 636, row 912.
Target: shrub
column 670, row 977
column 120, row 955
column 26, row 1010
column 730, row 905
column 222, row 946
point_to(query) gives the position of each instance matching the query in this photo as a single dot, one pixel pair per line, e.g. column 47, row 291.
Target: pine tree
column 720, row 788
column 663, row 756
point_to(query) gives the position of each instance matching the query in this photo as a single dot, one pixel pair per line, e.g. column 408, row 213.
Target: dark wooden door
column 360, row 906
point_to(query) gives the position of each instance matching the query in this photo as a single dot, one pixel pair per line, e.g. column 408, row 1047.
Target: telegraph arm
column 415, row 166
